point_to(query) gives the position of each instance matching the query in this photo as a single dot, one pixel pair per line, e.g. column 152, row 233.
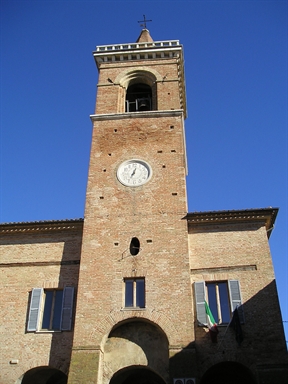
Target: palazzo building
column 125, row 295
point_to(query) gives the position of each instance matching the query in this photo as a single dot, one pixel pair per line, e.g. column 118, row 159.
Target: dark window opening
column 52, row 310
column 219, row 301
column 138, row 98
column 134, row 246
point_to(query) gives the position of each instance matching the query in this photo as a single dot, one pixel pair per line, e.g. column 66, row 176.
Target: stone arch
column 157, row 318
column 135, row 342
column 228, row 372
column 136, row 374
column 43, row 375
column 145, row 78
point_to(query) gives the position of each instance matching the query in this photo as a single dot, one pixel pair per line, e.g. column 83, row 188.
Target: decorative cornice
column 265, row 215
column 126, row 51
column 132, row 115
column 41, row 226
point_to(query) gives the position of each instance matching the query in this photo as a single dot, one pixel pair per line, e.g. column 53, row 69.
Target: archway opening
column 136, row 343
column 228, row 373
column 136, row 375
column 44, row 375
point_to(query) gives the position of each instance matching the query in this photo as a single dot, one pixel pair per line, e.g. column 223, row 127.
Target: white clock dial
column 134, row 173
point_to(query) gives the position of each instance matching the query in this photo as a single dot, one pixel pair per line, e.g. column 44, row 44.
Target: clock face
column 134, row 173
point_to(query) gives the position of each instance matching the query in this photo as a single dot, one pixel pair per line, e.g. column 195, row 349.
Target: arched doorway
column 228, row 373
column 136, row 375
column 44, row 375
column 136, row 343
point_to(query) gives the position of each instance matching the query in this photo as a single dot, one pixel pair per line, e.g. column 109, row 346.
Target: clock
column 134, row 172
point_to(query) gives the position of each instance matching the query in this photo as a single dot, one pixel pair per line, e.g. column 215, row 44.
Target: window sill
column 133, row 309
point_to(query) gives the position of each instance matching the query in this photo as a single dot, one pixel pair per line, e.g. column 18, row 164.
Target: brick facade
column 44, row 255
column 111, row 341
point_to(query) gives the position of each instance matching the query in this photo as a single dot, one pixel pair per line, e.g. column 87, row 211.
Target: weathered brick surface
column 153, row 213
column 22, row 257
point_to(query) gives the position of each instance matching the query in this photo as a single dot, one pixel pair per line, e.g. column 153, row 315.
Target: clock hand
column 133, row 173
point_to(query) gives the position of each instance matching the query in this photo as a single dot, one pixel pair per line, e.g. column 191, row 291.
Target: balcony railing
column 132, row 46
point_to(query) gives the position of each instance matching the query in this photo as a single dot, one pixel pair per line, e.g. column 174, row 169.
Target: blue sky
column 236, row 83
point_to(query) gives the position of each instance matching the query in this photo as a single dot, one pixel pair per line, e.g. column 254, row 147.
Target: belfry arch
column 138, row 90
column 135, row 343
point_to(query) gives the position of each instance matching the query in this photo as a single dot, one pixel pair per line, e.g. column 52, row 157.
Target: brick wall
column 36, row 258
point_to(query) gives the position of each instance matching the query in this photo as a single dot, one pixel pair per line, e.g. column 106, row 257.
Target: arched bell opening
column 137, row 90
column 138, row 98
column 136, row 375
column 43, row 375
column 227, row 373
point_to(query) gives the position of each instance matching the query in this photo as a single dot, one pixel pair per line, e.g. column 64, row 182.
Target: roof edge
column 266, row 215
column 39, row 226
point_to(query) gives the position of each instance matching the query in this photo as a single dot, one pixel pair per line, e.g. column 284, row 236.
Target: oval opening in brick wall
column 134, row 246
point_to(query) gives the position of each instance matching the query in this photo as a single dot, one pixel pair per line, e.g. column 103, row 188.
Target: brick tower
column 130, row 322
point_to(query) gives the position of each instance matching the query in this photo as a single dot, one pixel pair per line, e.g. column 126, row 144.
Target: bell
column 144, row 105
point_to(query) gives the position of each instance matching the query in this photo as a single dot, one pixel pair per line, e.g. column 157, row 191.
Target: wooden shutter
column 200, row 302
column 36, row 296
column 235, row 298
column 67, row 307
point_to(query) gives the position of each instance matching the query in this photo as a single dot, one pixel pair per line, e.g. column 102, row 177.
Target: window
column 50, row 309
column 218, row 301
column 222, row 297
column 135, row 293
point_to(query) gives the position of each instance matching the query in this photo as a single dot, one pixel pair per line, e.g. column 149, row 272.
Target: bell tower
column 134, row 306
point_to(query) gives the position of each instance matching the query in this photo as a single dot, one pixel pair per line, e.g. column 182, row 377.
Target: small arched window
column 138, row 98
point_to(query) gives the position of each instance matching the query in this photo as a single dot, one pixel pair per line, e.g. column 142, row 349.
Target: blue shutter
column 36, row 296
column 67, row 307
column 235, row 298
column 200, row 302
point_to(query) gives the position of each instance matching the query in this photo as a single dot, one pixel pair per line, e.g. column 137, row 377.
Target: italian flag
column 213, row 330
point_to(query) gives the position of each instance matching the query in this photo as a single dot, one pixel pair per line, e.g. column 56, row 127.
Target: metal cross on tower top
column 144, row 22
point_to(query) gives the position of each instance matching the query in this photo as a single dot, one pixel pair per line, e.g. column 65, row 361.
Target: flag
column 213, row 330
column 236, row 325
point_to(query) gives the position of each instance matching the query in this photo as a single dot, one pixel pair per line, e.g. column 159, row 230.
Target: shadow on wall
column 61, row 343
column 262, row 352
